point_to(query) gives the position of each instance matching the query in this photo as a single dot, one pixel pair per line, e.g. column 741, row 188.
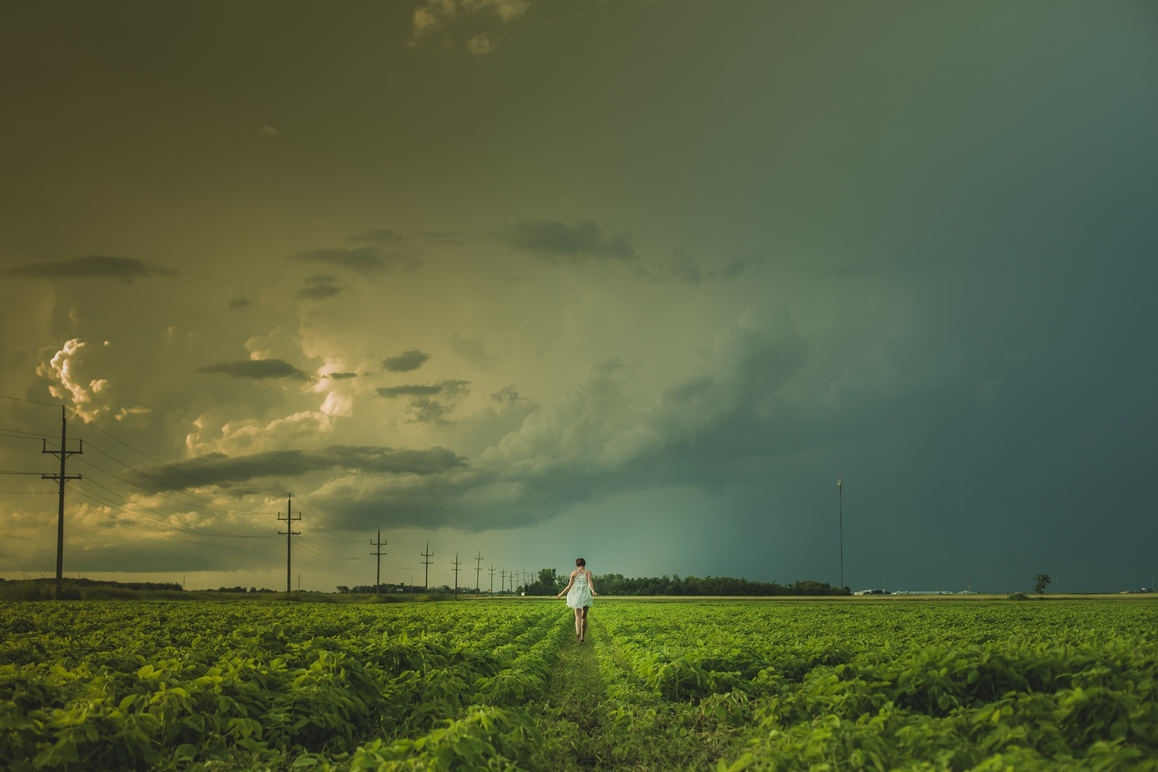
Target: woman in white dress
column 579, row 592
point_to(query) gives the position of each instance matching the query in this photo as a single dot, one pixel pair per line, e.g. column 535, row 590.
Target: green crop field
column 728, row 685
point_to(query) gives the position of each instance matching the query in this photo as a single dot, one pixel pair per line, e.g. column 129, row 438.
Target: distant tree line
column 82, row 582
column 368, row 589
column 551, row 583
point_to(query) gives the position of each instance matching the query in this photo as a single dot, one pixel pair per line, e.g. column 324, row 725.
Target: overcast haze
column 629, row 280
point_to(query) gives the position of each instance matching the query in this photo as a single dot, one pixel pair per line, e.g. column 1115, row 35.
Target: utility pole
column 426, row 561
column 503, row 580
column 289, row 534
column 378, row 573
column 61, row 478
column 477, row 572
column 840, row 505
column 456, row 563
column 492, row 570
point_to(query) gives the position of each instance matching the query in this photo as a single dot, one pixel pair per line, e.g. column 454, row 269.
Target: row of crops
column 502, row 685
column 87, row 686
column 1057, row 685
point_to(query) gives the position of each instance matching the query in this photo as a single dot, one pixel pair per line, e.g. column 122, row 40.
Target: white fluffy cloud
column 434, row 16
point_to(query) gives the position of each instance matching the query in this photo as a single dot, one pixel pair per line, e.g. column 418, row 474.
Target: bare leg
column 583, row 634
column 578, row 624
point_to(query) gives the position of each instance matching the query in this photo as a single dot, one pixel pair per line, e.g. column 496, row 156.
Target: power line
column 162, row 519
column 159, row 493
column 87, row 423
column 321, row 558
column 316, row 513
column 336, row 527
column 200, row 529
column 35, row 402
column 105, row 504
column 161, row 483
column 321, row 531
column 6, row 471
column 329, row 552
column 146, row 455
column 23, row 436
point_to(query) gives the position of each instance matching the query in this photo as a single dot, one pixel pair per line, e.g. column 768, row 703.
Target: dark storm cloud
column 319, row 288
column 366, row 260
column 705, row 432
column 557, row 241
column 429, row 402
column 238, row 303
column 220, row 469
column 340, row 376
column 427, row 410
column 450, row 388
column 319, row 292
column 508, row 395
column 256, row 369
column 406, row 361
column 123, row 269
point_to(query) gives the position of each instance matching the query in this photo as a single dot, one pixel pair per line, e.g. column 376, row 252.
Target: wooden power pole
column 61, row 479
column 426, row 561
column 456, row 563
column 289, row 534
column 477, row 574
column 378, row 554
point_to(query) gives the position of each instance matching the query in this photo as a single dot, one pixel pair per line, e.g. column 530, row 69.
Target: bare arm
column 568, row 587
column 589, row 584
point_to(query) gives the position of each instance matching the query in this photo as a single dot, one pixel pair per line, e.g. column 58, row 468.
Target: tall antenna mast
column 840, row 505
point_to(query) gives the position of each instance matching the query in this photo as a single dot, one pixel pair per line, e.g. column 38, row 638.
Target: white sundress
column 579, row 595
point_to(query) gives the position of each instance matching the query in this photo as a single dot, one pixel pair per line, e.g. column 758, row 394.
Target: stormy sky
column 630, row 280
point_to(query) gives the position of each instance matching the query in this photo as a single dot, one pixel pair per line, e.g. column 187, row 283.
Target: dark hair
column 581, row 562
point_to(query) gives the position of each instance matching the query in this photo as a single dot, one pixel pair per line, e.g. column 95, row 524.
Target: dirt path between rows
column 573, row 708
